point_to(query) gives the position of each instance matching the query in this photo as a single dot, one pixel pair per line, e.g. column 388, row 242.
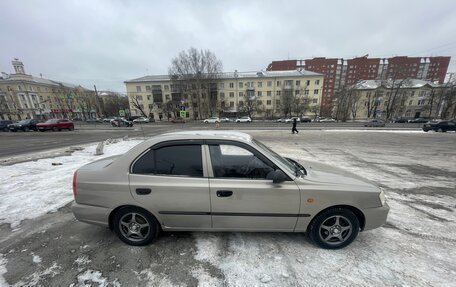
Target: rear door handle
column 143, row 191
column 224, row 193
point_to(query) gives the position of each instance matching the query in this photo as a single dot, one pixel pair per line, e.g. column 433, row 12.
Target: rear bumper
column 91, row 214
column 375, row 217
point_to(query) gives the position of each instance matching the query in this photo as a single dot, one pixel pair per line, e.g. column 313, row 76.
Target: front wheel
column 55, row 129
column 135, row 226
column 334, row 228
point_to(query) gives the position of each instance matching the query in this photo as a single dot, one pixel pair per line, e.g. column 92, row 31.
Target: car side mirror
column 277, row 176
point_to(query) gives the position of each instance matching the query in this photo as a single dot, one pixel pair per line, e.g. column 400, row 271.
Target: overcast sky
column 107, row 42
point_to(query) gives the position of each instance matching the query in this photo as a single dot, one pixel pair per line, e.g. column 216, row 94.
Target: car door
column 242, row 198
column 170, row 181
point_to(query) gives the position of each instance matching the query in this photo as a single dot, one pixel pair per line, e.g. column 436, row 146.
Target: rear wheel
column 440, row 130
column 70, row 128
column 135, row 226
column 334, row 228
column 26, row 129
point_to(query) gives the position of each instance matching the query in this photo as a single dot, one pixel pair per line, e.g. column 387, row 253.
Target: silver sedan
column 223, row 181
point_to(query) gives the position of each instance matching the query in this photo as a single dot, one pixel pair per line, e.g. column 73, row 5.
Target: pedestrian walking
column 294, row 129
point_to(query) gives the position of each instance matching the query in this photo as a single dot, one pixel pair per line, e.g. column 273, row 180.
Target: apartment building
column 263, row 94
column 415, row 98
column 345, row 72
column 24, row 96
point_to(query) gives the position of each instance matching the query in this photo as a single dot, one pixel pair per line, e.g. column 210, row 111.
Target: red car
column 55, row 125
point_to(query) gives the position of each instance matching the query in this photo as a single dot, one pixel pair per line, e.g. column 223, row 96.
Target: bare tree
column 195, row 72
column 373, row 101
column 113, row 103
column 135, row 100
column 344, row 102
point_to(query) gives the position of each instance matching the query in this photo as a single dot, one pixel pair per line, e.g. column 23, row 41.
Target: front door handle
column 143, row 191
column 224, row 193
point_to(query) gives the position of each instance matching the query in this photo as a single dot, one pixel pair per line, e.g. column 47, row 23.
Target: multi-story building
column 345, row 72
column 260, row 94
column 24, row 96
column 412, row 99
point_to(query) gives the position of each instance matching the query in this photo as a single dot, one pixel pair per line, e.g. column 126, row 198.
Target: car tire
column 135, row 226
column 440, row 130
column 26, row 129
column 42, row 130
column 334, row 228
column 54, row 129
column 71, row 128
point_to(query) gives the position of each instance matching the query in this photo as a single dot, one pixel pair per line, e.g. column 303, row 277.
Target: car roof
column 209, row 134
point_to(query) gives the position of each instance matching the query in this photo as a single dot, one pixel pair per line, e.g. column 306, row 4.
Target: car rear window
column 184, row 160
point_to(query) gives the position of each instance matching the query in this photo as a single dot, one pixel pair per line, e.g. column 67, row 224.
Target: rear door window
column 176, row 160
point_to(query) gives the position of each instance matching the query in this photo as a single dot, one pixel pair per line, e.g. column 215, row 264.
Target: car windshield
column 270, row 153
column 52, row 121
column 24, row 122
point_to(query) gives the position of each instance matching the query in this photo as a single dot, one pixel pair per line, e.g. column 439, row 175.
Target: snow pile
column 91, row 277
column 31, row 189
column 3, row 262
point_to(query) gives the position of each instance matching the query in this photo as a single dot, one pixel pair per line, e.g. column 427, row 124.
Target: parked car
column 24, row 125
column 281, row 120
column 141, row 120
column 290, row 120
column 306, row 120
column 375, row 123
column 327, row 120
column 121, row 122
column 94, row 120
column 77, row 120
column 4, row 125
column 400, row 120
column 132, row 118
column 178, row 120
column 225, row 120
column 223, row 181
column 212, row 120
column 108, row 120
column 419, row 120
column 244, row 120
column 440, row 126
column 56, row 125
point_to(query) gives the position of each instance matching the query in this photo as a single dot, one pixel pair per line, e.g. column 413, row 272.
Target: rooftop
column 211, row 134
column 408, row 83
column 236, row 75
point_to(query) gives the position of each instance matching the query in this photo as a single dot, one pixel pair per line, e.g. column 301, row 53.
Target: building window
column 148, row 97
column 241, row 85
column 139, row 97
column 241, row 103
column 147, row 88
column 259, row 93
column 241, row 94
column 268, row 102
column 307, row 82
column 278, row 83
column 296, row 92
column 151, row 106
column 315, row 101
column 222, row 95
column 316, row 92
column 231, row 94
column 298, row 83
column 269, row 83
column 411, row 102
column 231, row 104
column 231, row 85
column 166, row 88
column 259, row 102
column 277, row 93
column 222, row 85
column 260, row 84
column 138, row 88
column 269, row 93
column 317, row 82
column 277, row 102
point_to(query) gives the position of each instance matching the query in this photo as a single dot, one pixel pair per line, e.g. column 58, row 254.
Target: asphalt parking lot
column 416, row 247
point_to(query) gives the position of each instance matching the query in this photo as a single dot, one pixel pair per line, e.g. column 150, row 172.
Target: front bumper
column 375, row 217
column 91, row 214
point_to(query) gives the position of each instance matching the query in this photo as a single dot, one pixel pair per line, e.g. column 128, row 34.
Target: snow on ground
column 415, row 248
column 31, row 189
column 3, row 262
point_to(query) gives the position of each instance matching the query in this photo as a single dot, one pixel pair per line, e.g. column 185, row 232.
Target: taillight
column 75, row 174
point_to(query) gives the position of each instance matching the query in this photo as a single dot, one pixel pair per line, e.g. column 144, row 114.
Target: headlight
column 382, row 196
column 19, row 126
